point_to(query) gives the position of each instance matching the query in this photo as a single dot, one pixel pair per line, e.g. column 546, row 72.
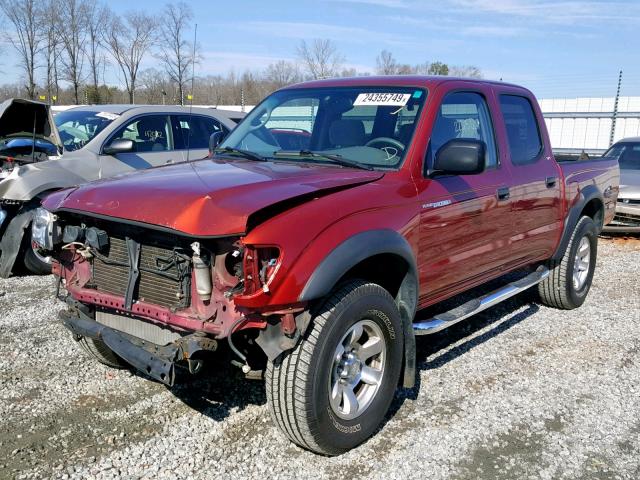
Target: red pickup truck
column 311, row 264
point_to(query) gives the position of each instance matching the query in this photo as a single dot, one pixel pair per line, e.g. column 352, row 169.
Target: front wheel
column 570, row 278
column 35, row 262
column 333, row 390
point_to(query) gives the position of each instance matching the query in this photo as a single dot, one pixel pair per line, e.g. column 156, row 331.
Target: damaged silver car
column 627, row 217
column 40, row 153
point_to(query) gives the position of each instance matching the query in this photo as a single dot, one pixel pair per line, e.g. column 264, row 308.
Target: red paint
column 473, row 239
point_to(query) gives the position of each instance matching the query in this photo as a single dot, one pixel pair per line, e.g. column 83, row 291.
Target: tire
column 559, row 290
column 34, row 262
column 99, row 350
column 300, row 383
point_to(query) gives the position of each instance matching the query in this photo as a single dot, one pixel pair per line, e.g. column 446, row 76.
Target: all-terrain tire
column 99, row 350
column 558, row 289
column 299, row 382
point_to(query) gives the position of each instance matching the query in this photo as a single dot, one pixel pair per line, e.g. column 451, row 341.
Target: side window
column 464, row 115
column 523, row 134
column 194, row 132
column 149, row 133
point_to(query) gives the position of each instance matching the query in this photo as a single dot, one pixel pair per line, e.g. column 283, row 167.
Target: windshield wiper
column 340, row 160
column 244, row 153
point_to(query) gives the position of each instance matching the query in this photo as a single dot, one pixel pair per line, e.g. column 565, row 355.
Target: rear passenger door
column 465, row 226
column 536, row 190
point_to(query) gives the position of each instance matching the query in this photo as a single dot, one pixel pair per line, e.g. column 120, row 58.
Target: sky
column 564, row 48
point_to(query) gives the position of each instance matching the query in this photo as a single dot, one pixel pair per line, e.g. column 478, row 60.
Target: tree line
column 66, row 47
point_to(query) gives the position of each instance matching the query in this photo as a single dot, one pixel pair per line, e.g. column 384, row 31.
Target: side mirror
column 460, row 156
column 214, row 140
column 119, row 145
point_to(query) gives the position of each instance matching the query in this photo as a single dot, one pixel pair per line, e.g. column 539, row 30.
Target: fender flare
column 588, row 193
column 354, row 250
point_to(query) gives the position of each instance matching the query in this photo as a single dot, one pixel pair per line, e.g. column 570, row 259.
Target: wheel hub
column 349, row 367
column 358, row 367
column 581, row 263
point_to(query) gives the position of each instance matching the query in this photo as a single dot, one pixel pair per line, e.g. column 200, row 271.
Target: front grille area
column 164, row 278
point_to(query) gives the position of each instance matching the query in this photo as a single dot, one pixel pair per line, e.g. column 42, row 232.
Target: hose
column 242, row 356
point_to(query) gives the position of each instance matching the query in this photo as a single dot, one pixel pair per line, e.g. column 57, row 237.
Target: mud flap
column 12, row 240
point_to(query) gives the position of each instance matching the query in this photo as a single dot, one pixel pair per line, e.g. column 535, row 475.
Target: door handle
column 503, row 193
column 550, row 182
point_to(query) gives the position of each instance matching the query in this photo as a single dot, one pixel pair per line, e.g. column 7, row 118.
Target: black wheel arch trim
column 587, row 194
column 356, row 249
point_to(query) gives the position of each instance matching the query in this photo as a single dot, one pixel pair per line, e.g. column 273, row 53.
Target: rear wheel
column 99, row 350
column 333, row 390
column 570, row 279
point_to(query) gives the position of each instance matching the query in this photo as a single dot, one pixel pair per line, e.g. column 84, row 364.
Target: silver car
column 42, row 154
column 627, row 218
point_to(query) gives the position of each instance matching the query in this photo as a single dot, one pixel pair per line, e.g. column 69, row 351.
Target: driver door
column 152, row 138
column 465, row 221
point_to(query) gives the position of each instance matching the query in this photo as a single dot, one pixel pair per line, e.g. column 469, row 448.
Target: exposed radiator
column 160, row 282
column 138, row 328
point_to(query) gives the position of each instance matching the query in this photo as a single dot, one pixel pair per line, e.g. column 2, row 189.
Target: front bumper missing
column 159, row 362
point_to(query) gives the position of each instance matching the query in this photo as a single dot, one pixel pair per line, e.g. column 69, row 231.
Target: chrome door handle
column 550, row 182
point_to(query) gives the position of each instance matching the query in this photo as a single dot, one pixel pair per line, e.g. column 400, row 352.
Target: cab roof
column 428, row 81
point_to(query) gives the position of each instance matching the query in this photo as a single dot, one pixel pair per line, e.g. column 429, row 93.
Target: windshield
column 371, row 126
column 627, row 154
column 78, row 127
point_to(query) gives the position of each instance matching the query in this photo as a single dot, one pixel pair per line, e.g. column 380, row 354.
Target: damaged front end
column 160, row 299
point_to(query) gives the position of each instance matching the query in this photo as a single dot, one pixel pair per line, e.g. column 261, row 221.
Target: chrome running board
column 470, row 308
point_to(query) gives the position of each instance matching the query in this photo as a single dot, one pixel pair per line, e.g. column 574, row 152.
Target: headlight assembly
column 45, row 231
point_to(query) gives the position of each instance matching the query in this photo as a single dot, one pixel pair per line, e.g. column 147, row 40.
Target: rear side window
column 523, row 134
column 464, row 115
column 193, row 131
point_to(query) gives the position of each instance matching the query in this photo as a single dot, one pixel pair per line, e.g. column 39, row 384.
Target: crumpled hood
column 629, row 184
column 206, row 197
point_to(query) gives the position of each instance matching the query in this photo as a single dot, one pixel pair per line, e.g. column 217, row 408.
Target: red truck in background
column 312, row 263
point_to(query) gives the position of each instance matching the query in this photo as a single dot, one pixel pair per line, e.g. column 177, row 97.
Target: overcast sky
column 557, row 48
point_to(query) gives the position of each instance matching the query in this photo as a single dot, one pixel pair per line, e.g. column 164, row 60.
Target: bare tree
column 282, row 73
column 128, row 43
column 51, row 50
column 177, row 53
column 97, row 19
column 386, row 64
column 72, row 29
column 25, row 36
column 155, row 86
column 321, row 58
column 465, row 71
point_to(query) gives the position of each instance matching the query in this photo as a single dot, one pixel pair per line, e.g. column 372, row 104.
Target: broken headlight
column 45, row 231
column 260, row 264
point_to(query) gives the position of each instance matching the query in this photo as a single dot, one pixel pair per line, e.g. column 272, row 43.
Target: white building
column 585, row 123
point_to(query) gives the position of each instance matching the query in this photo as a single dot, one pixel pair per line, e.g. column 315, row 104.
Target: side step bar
column 470, row 308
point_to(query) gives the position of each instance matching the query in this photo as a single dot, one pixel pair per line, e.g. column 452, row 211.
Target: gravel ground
column 519, row 391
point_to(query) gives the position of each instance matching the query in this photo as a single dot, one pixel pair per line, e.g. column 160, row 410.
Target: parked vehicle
column 312, row 263
column 98, row 141
column 627, row 217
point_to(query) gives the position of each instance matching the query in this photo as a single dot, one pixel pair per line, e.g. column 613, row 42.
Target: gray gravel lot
column 520, row 391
